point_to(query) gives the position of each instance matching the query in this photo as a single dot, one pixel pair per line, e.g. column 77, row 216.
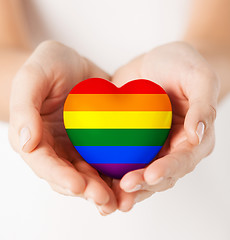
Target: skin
column 15, row 48
column 39, row 108
column 197, row 69
column 193, row 89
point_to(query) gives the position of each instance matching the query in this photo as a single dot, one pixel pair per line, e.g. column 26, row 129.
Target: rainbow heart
column 117, row 130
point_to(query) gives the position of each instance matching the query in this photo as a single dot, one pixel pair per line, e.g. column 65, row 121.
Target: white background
column 111, row 33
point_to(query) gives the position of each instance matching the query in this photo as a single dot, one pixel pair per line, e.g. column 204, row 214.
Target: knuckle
column 212, row 113
column 171, row 182
column 209, row 113
column 176, row 164
column 49, row 50
column 204, row 72
column 77, row 189
column 191, row 165
column 191, row 162
column 50, row 43
column 211, row 142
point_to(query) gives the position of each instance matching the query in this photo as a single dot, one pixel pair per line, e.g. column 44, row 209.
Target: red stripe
column 102, row 86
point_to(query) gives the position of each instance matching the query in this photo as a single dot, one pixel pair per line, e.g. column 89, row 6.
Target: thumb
column 27, row 93
column 202, row 95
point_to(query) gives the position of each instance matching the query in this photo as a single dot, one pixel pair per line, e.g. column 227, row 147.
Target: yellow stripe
column 117, row 119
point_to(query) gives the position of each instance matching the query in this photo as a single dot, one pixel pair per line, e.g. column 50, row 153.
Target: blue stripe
column 118, row 154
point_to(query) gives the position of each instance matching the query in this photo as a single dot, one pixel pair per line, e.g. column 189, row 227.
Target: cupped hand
column 36, row 128
column 193, row 89
column 37, row 132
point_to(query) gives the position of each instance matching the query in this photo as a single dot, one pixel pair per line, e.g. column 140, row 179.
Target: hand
column 36, row 128
column 193, row 90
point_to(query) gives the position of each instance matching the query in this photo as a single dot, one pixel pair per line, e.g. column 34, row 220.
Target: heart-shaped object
column 117, row 130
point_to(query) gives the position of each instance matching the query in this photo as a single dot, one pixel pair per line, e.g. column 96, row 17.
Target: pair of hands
column 37, row 132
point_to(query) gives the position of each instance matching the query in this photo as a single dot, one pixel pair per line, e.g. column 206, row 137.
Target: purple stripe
column 117, row 170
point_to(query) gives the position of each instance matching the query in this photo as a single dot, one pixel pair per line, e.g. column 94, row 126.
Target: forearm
column 209, row 23
column 13, row 26
column 221, row 64
column 208, row 32
column 10, row 62
column 15, row 47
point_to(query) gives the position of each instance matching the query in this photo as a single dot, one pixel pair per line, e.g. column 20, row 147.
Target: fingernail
column 136, row 188
column 200, row 131
column 101, row 211
column 156, row 181
column 24, row 136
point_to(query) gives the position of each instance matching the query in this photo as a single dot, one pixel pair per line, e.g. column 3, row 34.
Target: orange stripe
column 117, row 102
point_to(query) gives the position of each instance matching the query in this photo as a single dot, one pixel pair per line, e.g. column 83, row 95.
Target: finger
column 128, row 72
column 202, row 92
column 82, row 166
column 98, row 190
column 165, row 184
column 142, row 195
column 132, row 181
column 137, row 181
column 164, row 172
column 63, row 191
column 110, row 206
column 48, row 166
column 174, row 165
column 160, row 173
column 100, row 193
column 125, row 200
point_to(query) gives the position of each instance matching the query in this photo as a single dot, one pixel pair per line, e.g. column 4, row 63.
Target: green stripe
column 117, row 137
